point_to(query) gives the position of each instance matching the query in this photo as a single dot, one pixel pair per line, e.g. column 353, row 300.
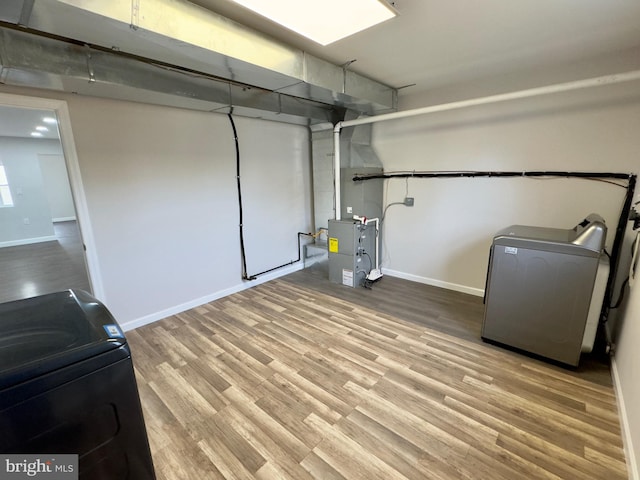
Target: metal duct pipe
column 336, row 169
column 180, row 33
column 42, row 62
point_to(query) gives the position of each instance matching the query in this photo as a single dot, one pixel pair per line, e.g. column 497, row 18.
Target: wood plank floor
column 447, row 311
column 285, row 381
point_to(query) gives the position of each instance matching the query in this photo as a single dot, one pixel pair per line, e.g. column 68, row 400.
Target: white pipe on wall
column 532, row 92
column 336, row 168
column 377, row 221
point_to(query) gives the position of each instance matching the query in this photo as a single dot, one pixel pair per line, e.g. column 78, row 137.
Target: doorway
column 43, row 221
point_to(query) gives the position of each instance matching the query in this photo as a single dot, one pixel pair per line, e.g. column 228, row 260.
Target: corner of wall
column 478, row 292
column 632, row 464
column 154, row 317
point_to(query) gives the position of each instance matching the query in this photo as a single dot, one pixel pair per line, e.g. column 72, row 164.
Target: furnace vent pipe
column 532, row 92
column 336, row 170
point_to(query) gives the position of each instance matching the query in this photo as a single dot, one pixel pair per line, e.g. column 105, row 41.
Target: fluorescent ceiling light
column 36, row 134
column 42, row 128
column 49, row 120
column 323, row 21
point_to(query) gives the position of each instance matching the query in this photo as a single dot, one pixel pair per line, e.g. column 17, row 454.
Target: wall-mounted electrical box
column 351, row 251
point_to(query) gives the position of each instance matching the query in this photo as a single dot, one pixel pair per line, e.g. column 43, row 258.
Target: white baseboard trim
column 28, row 241
column 154, row 317
column 63, row 219
column 433, row 282
column 629, row 452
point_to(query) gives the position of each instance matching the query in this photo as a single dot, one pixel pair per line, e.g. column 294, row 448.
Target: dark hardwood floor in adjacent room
column 301, row 379
column 40, row 268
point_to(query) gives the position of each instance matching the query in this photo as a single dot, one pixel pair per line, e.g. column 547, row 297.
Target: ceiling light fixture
column 42, row 128
column 324, row 21
column 49, row 120
column 36, row 134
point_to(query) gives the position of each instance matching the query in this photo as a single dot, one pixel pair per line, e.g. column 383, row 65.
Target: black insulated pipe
column 475, row 174
column 254, row 276
column 596, row 176
column 243, row 255
column 617, row 248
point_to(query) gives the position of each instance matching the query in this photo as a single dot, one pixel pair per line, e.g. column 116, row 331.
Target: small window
column 6, row 200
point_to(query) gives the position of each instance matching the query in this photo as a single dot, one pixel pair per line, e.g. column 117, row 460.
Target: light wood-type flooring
column 299, row 379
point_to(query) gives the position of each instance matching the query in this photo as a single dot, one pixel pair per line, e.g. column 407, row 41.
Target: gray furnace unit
column 545, row 288
column 352, row 251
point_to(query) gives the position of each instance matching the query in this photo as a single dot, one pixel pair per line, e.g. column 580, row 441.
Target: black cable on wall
column 474, row 174
column 243, row 255
column 617, row 247
column 595, row 176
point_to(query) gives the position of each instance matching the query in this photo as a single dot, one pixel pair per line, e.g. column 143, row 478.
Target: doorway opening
column 45, row 234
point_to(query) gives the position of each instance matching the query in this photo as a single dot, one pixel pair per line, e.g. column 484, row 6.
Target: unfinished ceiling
column 230, row 59
column 436, row 43
column 176, row 53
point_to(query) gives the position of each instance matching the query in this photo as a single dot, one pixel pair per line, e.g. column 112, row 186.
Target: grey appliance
column 67, row 386
column 352, row 251
column 539, row 295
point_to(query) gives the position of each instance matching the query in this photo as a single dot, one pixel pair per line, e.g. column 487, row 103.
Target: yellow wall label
column 333, row 245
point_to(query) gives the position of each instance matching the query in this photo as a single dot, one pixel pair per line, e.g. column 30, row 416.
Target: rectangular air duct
column 176, row 32
column 41, row 62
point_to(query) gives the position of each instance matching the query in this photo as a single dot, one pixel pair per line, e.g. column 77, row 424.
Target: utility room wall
column 445, row 238
column 160, row 185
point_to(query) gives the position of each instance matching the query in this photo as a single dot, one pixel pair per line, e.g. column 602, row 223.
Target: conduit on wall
column 243, row 255
column 474, row 174
column 597, row 176
column 533, row 92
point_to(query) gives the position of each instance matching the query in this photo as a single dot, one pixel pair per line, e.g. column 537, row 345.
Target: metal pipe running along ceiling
column 533, row 92
column 229, row 66
column 41, row 62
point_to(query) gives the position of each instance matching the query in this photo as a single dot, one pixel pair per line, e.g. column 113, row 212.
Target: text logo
column 49, row 467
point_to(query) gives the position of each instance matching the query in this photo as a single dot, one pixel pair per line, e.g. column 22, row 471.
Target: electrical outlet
column 408, row 201
column 349, row 209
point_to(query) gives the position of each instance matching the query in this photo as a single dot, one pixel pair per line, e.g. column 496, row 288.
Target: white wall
column 627, row 376
column 161, row 189
column 160, row 185
column 56, row 186
column 445, row 237
column 29, row 220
